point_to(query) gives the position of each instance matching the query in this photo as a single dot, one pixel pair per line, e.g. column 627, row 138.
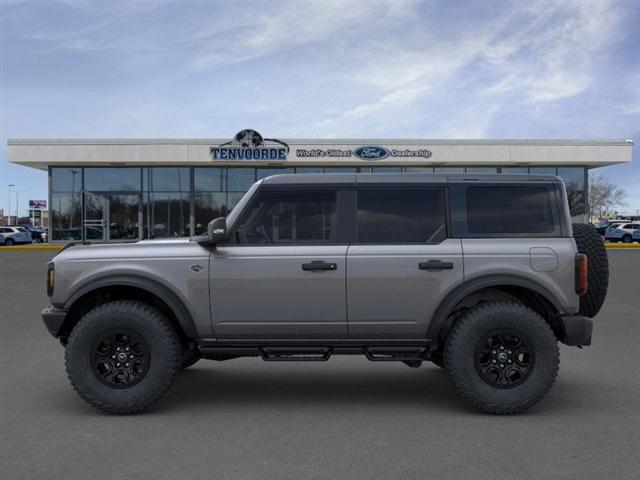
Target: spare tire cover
column 589, row 242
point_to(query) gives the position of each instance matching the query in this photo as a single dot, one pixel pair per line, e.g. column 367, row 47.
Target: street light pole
column 18, row 192
column 9, row 212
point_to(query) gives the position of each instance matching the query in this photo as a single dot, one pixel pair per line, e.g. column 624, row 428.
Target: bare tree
column 604, row 196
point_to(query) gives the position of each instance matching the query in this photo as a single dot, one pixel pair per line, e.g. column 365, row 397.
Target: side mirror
column 217, row 230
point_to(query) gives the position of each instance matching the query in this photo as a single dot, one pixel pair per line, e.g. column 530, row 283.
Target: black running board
column 299, row 354
column 318, row 353
column 396, row 354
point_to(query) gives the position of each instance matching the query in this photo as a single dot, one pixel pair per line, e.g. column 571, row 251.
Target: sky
column 374, row 69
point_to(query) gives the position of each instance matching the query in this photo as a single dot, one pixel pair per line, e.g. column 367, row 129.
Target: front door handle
column 319, row 265
column 435, row 265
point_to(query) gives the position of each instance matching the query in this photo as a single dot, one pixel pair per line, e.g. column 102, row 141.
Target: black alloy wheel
column 504, row 359
column 120, row 359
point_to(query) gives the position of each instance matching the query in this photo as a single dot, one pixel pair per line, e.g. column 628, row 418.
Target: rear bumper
column 576, row 330
column 53, row 319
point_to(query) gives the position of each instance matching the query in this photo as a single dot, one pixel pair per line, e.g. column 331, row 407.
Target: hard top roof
column 352, row 179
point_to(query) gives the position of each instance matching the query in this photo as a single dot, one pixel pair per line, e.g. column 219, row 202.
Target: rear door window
column 401, row 215
column 513, row 209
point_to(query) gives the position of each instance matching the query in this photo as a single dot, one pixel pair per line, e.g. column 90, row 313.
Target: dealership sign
column 365, row 152
column 250, row 145
column 38, row 204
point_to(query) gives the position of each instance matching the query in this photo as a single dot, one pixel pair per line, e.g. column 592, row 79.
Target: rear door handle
column 435, row 265
column 319, row 265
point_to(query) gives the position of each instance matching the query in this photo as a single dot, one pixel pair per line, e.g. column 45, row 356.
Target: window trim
column 444, row 191
column 461, row 226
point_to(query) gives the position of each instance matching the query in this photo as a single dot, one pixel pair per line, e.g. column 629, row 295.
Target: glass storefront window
column 481, row 170
column 340, row 170
column 66, row 179
column 166, row 194
column 267, row 172
column 167, row 215
column 166, row 179
column 112, row 179
column 66, row 216
column 210, row 179
column 573, row 178
column 208, row 205
column 240, row 179
column 382, row 170
column 510, row 170
column 543, row 170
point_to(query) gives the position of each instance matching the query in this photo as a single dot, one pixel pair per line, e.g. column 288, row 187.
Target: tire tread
column 168, row 334
column 454, row 348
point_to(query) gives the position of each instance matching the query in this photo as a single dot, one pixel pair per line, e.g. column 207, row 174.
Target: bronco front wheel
column 502, row 357
column 123, row 356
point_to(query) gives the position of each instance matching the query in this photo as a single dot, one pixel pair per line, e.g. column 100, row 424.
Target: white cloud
column 553, row 56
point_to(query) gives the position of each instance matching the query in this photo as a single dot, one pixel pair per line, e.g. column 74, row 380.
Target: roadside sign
column 38, row 204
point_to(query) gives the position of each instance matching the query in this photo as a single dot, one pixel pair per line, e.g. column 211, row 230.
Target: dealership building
column 131, row 189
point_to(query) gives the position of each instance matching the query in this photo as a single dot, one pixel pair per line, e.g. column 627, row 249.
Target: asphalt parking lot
column 346, row 418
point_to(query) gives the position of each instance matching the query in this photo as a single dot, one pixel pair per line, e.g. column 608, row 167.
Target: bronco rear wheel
column 589, row 242
column 123, row 356
column 502, row 357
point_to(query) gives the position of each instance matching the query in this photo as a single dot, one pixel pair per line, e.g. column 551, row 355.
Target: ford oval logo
column 371, row 153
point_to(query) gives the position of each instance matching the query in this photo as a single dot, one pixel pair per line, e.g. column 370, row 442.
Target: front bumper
column 576, row 330
column 53, row 319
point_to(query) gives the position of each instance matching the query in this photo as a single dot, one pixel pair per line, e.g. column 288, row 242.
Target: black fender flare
column 467, row 288
column 178, row 308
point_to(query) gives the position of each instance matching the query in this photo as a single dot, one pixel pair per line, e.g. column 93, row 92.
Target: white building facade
column 131, row 189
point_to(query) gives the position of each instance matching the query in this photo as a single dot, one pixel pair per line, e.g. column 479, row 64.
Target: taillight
column 582, row 282
column 51, row 278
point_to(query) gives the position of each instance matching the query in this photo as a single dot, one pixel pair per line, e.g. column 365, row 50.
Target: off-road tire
column 189, row 357
column 164, row 350
column 469, row 331
column 589, row 242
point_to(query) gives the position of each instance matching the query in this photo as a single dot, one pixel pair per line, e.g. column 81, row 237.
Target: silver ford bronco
column 480, row 274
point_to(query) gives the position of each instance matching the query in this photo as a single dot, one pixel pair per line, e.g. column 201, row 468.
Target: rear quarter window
column 504, row 210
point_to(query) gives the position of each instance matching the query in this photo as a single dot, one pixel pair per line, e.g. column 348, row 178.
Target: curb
column 26, row 248
column 622, row 246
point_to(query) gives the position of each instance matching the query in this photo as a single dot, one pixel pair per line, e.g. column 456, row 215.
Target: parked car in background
column 38, row 234
column 602, row 226
column 621, row 233
column 15, row 235
column 1, row 239
column 636, row 236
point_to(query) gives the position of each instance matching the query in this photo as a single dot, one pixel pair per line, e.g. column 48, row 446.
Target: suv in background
column 15, row 235
column 622, row 232
column 602, row 226
column 38, row 234
column 480, row 274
